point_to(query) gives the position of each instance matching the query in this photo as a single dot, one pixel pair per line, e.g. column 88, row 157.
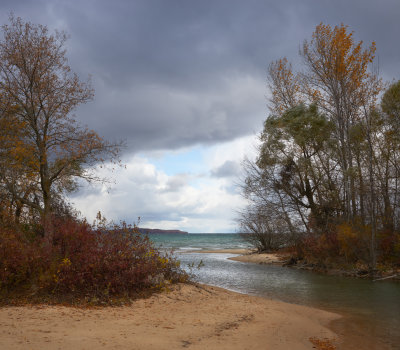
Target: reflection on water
column 377, row 304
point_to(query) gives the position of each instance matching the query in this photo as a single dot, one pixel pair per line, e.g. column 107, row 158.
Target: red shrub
column 18, row 259
column 321, row 248
column 389, row 247
column 79, row 260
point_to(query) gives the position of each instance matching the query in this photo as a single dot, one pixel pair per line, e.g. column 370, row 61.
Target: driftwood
column 385, row 278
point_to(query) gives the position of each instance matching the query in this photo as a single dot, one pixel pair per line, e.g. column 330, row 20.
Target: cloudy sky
column 184, row 83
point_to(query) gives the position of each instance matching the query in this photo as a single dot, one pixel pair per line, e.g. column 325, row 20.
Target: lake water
column 375, row 305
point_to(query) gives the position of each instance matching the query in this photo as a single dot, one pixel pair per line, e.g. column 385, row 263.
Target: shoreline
column 190, row 316
column 251, row 256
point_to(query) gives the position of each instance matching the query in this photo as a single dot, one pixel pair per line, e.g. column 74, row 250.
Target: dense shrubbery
column 81, row 263
column 340, row 246
column 348, row 246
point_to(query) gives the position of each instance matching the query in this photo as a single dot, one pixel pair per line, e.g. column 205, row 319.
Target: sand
column 247, row 256
column 190, row 316
column 262, row 258
column 224, row 251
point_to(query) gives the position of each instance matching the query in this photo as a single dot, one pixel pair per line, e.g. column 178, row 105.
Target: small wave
column 190, row 248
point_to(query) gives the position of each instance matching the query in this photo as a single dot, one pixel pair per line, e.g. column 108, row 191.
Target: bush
column 265, row 241
column 389, row 247
column 347, row 244
column 322, row 248
column 80, row 262
column 265, row 229
column 19, row 260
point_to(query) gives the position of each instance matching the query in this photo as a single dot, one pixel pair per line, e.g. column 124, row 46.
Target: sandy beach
column 190, row 316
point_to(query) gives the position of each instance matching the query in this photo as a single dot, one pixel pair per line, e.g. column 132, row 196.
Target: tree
column 389, row 149
column 264, row 228
column 39, row 91
column 268, row 222
column 330, row 154
column 13, row 157
column 297, row 145
column 390, row 105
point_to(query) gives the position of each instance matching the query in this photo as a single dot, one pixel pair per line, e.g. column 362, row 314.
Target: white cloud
column 185, row 201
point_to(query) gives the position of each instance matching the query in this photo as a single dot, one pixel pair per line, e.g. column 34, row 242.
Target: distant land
column 156, row 230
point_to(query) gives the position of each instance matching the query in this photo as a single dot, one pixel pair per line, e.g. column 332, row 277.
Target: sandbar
column 260, row 258
column 248, row 256
column 222, row 251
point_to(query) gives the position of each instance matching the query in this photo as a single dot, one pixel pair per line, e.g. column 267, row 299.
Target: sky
column 183, row 83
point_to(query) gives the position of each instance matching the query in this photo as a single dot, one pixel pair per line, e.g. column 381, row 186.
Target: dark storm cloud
column 174, row 73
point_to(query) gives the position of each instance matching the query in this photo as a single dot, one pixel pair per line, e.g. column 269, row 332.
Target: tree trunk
column 373, row 254
column 361, row 190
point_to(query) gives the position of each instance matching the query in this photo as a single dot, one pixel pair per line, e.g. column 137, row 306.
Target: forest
column 326, row 179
